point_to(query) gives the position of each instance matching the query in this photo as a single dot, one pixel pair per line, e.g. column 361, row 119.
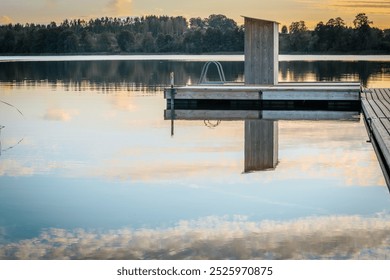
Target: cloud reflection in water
column 333, row 237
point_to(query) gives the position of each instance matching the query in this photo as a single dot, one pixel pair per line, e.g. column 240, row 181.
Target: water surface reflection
column 98, row 175
column 114, row 75
column 261, row 128
column 333, row 237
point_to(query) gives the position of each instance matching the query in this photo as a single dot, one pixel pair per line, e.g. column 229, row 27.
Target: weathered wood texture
column 376, row 109
column 230, row 115
column 276, row 92
column 261, row 145
column 261, row 51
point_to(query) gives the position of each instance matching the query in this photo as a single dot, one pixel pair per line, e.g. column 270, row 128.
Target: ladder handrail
column 205, row 69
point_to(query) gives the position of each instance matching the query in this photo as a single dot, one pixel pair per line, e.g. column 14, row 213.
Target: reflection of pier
column 1, row 127
column 261, row 129
column 231, row 115
column 261, row 145
column 262, row 100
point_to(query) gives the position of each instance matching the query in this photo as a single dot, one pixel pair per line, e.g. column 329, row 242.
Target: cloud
column 329, row 153
column 5, row 20
column 363, row 4
column 120, row 7
column 333, row 237
column 52, row 3
column 123, row 103
column 146, row 171
column 56, row 114
column 14, row 168
column 375, row 7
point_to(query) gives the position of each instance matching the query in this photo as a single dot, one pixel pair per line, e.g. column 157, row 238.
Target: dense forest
column 163, row 34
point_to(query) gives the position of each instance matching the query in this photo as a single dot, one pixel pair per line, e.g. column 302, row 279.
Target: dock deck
column 280, row 91
column 281, row 95
column 376, row 109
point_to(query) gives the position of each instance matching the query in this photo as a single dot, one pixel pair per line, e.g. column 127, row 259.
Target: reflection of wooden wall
column 261, row 145
column 261, row 51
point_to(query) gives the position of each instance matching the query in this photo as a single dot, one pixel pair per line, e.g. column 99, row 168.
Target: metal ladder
column 205, row 69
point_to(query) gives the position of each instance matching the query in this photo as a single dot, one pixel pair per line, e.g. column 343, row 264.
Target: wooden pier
column 262, row 100
column 261, row 86
column 376, row 109
column 278, row 92
column 290, row 96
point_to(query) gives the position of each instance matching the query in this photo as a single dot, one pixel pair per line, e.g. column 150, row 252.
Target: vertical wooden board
column 261, row 51
column 276, row 53
column 266, row 60
column 250, row 46
column 276, row 143
column 261, row 145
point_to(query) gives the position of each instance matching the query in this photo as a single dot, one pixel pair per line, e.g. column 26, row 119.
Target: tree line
column 336, row 36
column 163, row 34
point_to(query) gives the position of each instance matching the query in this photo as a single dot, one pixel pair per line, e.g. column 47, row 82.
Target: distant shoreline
column 187, row 57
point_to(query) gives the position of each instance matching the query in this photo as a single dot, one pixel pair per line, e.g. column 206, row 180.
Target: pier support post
column 172, row 76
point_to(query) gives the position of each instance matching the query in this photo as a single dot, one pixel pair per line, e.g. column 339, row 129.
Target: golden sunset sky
column 283, row 11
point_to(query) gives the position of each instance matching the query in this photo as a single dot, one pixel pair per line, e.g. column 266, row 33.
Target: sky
column 282, row 11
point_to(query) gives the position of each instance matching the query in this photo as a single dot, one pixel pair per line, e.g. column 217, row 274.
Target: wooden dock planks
column 376, row 109
column 233, row 115
column 290, row 91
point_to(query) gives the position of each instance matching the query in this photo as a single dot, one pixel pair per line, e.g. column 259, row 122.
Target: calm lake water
column 89, row 169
